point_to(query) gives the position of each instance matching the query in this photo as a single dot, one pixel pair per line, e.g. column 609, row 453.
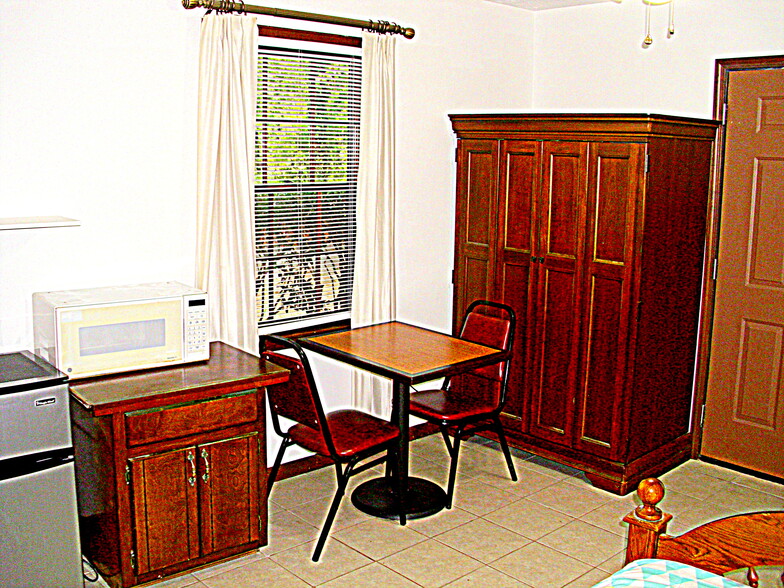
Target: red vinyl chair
column 348, row 437
column 472, row 401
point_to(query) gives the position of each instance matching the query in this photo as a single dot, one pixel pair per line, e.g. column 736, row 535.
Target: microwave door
column 117, row 337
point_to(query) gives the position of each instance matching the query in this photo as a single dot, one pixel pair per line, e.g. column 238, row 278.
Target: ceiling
column 547, row 4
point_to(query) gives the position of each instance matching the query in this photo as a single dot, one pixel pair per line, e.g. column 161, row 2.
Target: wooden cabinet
column 206, row 496
column 170, row 465
column 592, row 228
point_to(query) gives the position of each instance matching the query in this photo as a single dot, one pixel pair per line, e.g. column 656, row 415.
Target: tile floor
column 551, row 529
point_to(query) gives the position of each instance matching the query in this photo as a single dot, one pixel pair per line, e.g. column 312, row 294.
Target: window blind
column 307, row 155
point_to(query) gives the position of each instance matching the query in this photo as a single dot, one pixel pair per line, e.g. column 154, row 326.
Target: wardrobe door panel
column 519, row 184
column 554, row 358
column 475, row 233
column 561, row 237
column 518, row 187
column 563, row 200
column 614, row 189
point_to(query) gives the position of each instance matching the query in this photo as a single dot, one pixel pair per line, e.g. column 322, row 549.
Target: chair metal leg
column 454, row 449
column 499, row 429
column 278, row 459
column 447, row 439
column 342, row 477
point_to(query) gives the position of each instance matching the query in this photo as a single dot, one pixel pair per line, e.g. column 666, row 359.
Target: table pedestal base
column 378, row 498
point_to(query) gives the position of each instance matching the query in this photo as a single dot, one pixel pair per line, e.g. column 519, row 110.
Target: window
column 307, row 154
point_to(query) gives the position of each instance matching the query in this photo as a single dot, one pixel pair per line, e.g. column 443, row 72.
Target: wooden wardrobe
column 592, row 227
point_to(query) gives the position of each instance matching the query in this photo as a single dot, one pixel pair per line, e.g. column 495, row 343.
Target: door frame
column 724, row 67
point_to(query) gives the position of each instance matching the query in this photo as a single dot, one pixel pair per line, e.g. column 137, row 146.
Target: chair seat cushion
column 352, row 431
column 449, row 406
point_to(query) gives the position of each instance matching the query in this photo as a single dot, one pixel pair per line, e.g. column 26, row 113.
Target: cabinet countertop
column 227, row 368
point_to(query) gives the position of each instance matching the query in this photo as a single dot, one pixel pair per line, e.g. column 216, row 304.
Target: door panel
column 561, row 215
column 475, row 238
column 518, row 186
column 614, row 189
column 554, row 361
column 564, row 198
column 744, row 410
column 228, row 477
column 165, row 510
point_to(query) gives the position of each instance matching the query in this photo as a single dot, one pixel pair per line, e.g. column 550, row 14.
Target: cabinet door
column 519, row 185
column 164, row 509
column 476, row 226
column 561, row 212
column 229, row 485
column 615, row 187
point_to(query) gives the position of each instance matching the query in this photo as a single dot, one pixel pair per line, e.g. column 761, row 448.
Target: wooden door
column 744, row 408
column 561, row 212
column 229, row 484
column 614, row 189
column 476, row 232
column 519, row 186
column 164, row 509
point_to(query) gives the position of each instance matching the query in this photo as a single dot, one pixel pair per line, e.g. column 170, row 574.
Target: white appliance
column 98, row 331
column 39, row 528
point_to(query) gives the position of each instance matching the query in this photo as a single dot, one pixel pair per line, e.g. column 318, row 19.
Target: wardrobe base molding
column 612, row 476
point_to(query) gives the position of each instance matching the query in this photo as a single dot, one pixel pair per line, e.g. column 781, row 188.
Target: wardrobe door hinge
column 715, row 267
column 647, row 162
column 133, row 561
column 127, row 475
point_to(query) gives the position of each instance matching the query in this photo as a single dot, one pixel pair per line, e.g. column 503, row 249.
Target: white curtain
column 225, row 242
column 373, row 296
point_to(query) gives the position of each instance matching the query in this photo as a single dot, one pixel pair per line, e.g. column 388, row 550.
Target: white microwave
column 98, row 331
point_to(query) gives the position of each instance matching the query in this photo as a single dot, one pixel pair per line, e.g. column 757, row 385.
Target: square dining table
column 407, row 355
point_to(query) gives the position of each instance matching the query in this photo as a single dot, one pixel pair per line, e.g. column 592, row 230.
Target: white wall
column 591, row 58
column 98, row 123
column 97, row 111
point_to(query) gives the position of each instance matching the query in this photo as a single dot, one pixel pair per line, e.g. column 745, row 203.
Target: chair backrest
column 492, row 324
column 296, row 399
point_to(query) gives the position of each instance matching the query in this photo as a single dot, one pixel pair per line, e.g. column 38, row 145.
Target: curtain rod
column 380, row 26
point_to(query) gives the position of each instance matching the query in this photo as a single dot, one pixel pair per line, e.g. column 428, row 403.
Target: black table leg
column 401, row 496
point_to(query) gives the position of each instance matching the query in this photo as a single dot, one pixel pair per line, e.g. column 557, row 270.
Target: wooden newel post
column 647, row 522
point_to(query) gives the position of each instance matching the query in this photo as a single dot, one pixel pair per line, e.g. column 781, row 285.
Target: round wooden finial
column 650, row 491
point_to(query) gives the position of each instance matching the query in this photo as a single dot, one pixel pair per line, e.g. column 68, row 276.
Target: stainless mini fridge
column 39, row 534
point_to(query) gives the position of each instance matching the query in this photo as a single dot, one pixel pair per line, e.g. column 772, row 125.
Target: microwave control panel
column 197, row 343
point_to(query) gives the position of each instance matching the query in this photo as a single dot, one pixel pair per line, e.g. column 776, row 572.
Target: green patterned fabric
column 655, row 573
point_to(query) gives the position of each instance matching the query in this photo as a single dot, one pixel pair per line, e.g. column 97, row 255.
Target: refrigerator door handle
column 23, row 465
